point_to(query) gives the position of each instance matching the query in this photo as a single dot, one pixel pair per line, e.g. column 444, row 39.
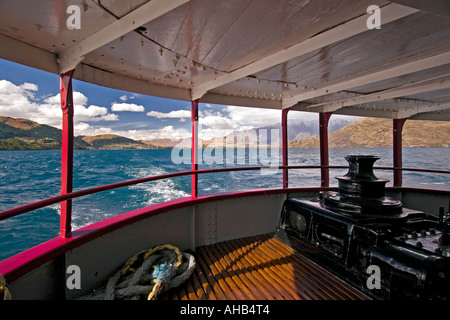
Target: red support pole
column 397, row 150
column 66, row 151
column 324, row 118
column 194, row 158
column 284, row 134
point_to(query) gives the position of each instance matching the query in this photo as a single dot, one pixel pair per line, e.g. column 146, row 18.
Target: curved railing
column 77, row 194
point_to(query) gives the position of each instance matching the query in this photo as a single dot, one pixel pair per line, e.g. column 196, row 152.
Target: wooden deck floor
column 259, row 268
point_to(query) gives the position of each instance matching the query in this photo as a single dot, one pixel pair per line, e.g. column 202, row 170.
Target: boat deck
column 259, row 268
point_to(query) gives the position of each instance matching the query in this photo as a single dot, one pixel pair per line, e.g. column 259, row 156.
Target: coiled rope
column 4, row 292
column 147, row 274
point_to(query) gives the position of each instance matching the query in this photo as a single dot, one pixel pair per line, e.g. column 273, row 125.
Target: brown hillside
column 375, row 132
column 23, row 124
column 90, row 139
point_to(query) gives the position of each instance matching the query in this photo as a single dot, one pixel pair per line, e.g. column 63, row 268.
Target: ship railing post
column 194, row 154
column 285, row 147
column 324, row 118
column 66, row 152
column 397, row 151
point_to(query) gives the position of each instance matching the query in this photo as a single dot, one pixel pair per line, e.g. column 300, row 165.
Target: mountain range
column 376, row 132
column 24, row 134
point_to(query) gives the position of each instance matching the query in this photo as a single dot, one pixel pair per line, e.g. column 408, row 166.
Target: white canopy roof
column 309, row 55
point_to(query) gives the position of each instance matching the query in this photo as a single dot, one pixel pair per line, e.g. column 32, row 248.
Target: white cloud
column 215, row 124
column 18, row 101
column 93, row 113
column 266, row 117
column 78, row 99
column 171, row 132
column 124, row 98
column 181, row 114
column 253, row 117
column 85, row 129
column 53, row 100
column 29, row 86
column 219, row 122
column 127, row 107
column 12, row 95
column 168, row 132
column 231, row 118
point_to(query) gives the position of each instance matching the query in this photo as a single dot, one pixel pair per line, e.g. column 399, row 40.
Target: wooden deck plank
column 295, row 277
column 259, row 268
column 280, row 281
column 257, row 281
column 314, row 282
column 280, row 275
column 246, row 275
column 333, row 284
column 200, row 293
column 205, row 280
column 230, row 268
column 222, row 281
column 266, row 277
column 243, row 275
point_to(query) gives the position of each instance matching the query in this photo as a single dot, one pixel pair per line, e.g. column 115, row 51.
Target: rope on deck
column 147, row 274
column 4, row 291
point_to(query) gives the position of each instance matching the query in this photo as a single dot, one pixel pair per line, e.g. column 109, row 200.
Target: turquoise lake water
column 29, row 176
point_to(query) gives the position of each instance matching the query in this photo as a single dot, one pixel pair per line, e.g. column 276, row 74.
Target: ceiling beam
column 438, row 7
column 409, row 112
column 69, row 58
column 388, row 13
column 434, row 116
column 27, row 54
column 388, row 71
column 122, row 82
column 113, row 80
column 426, row 111
column 250, row 102
column 439, row 83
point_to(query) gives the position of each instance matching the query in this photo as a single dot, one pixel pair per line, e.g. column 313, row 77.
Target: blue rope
column 164, row 272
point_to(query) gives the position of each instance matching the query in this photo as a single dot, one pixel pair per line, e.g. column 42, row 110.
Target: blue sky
column 33, row 94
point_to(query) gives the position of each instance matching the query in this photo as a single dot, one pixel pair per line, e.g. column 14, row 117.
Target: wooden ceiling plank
column 415, row 64
column 402, row 91
column 348, row 29
column 71, row 57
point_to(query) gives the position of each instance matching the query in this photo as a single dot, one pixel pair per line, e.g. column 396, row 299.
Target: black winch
column 370, row 240
column 360, row 192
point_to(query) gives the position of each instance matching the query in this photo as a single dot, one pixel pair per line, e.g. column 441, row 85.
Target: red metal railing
column 66, row 150
column 76, row 194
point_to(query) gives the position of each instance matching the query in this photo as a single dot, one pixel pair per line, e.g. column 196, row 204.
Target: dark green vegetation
column 23, row 134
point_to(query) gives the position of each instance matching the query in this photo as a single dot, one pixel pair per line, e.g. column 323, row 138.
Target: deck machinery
column 370, row 240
